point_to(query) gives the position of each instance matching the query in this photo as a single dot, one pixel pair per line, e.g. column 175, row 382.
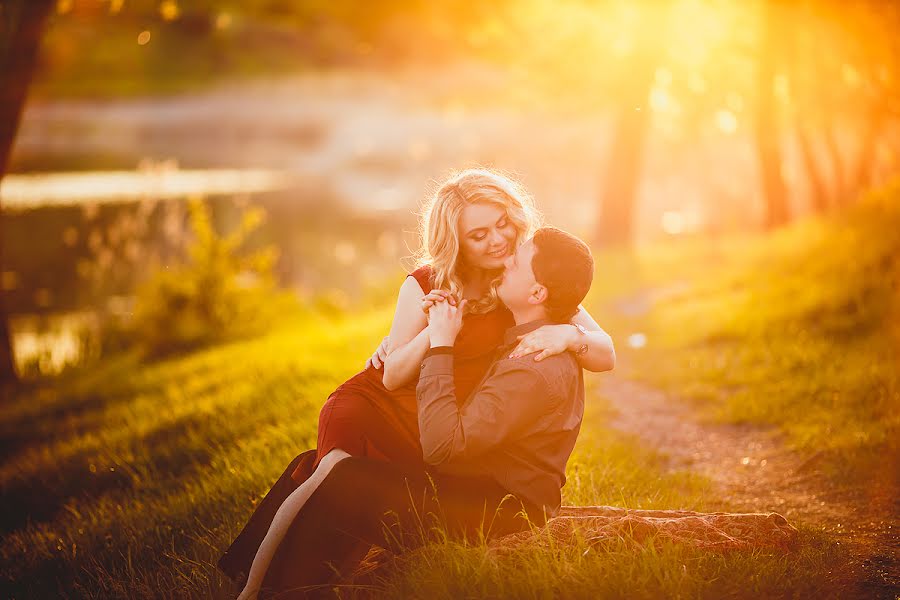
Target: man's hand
column 444, row 323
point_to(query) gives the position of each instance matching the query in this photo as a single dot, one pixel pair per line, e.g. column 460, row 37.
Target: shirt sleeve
column 505, row 403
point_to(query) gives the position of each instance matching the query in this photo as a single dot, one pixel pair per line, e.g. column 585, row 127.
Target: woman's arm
column 553, row 339
column 601, row 354
column 408, row 337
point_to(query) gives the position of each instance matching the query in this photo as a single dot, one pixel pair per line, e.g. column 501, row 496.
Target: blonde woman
column 475, row 220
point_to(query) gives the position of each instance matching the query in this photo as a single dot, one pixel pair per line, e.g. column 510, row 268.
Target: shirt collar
column 513, row 332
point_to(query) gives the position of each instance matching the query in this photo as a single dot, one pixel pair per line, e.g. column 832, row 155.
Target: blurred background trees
column 630, row 121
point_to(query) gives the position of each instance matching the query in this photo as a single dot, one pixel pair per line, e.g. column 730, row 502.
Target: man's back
column 518, row 427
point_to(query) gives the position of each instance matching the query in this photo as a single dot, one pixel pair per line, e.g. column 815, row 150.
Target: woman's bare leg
column 282, row 521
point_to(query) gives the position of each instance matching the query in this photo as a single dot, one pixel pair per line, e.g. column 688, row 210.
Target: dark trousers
column 240, row 554
column 364, row 502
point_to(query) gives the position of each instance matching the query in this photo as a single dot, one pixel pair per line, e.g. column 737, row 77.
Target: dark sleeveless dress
column 364, row 418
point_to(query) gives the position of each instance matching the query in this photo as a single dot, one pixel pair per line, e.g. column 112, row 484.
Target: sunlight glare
column 726, row 121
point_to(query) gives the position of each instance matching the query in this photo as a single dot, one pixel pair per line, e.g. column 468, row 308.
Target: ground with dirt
column 753, row 470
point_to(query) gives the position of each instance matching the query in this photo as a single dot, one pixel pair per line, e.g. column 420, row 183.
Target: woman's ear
column 538, row 294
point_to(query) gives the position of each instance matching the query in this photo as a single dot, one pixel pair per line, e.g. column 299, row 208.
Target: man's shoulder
column 550, row 368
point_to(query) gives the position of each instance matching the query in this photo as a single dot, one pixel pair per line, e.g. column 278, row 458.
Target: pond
column 77, row 242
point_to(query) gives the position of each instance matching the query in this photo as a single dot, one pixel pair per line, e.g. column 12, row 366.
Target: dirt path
column 752, row 470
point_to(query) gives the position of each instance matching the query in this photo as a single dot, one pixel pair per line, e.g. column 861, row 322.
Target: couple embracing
column 468, row 410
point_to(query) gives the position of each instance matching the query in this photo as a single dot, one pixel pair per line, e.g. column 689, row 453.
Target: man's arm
column 515, row 395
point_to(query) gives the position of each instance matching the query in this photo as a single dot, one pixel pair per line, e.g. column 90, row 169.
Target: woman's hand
column 444, row 323
column 435, row 296
column 377, row 359
column 548, row 339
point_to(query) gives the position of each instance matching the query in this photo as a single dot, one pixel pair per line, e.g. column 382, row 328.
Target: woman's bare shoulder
column 424, row 276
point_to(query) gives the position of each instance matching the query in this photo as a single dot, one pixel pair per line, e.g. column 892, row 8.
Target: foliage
column 798, row 330
column 128, row 480
column 216, row 295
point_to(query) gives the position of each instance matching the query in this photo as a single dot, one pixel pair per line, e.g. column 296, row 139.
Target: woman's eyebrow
column 473, row 230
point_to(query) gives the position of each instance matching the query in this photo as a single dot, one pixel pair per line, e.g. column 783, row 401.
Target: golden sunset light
column 405, row 299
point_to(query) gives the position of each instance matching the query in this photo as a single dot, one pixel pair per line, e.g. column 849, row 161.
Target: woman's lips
column 499, row 253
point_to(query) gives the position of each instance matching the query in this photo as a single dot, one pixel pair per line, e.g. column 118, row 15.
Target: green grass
column 798, row 330
column 127, row 479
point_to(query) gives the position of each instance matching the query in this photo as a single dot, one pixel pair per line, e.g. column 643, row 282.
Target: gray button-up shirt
column 518, row 426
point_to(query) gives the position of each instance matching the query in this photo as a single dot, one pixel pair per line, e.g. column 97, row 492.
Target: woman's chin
column 490, row 263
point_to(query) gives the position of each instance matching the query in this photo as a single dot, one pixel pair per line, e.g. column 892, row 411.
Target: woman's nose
column 496, row 238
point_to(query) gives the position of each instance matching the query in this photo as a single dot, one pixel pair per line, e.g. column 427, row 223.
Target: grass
column 128, row 479
column 800, row 332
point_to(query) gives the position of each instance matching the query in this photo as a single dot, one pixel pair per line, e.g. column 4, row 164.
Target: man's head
column 551, row 271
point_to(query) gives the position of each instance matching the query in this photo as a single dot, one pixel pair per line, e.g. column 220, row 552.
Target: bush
column 216, row 295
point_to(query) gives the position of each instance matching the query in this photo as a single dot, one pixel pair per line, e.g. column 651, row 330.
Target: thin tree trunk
column 22, row 23
column 802, row 92
column 817, row 191
column 868, row 154
column 621, row 181
column 767, row 131
column 839, row 185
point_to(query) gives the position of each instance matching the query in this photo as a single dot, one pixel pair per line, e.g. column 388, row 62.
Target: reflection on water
column 20, row 192
column 46, row 344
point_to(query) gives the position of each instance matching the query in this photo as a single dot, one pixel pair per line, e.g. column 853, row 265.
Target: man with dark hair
column 563, row 264
column 494, row 463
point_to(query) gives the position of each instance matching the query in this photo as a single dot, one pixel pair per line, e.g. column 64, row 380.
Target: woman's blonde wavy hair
column 439, row 226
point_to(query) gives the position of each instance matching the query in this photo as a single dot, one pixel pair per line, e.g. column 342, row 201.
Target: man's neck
column 529, row 314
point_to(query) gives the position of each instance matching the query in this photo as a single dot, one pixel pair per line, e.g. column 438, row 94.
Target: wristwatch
column 583, row 348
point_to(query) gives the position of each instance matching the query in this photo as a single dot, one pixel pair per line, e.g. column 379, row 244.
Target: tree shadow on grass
column 170, row 453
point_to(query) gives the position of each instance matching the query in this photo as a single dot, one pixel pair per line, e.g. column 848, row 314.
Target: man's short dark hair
column 563, row 264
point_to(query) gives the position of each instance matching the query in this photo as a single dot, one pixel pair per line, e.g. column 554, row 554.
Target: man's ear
column 538, row 294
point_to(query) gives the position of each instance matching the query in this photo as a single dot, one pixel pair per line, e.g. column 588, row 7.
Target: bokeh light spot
column 726, row 121
column 673, row 222
column 143, row 38
column 223, row 20
column 637, row 340
column 169, row 10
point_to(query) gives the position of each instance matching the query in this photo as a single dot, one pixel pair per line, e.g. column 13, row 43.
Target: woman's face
column 486, row 236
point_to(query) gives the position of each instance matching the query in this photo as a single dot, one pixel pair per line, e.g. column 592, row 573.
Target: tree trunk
column 21, row 25
column 868, row 154
column 767, row 131
column 621, row 181
column 838, row 187
column 818, row 193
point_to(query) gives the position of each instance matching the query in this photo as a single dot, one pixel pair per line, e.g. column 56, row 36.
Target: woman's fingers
column 382, row 351
column 377, row 359
column 440, row 295
column 521, row 350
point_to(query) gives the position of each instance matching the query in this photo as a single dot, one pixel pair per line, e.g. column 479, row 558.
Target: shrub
column 217, row 294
